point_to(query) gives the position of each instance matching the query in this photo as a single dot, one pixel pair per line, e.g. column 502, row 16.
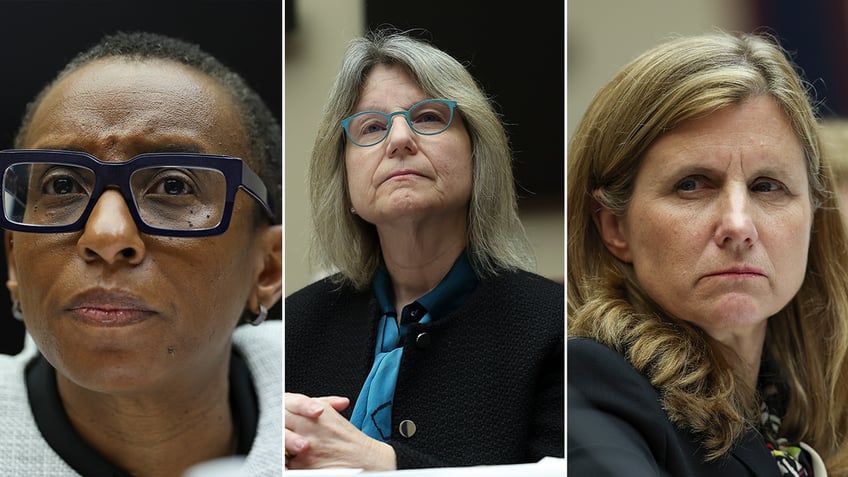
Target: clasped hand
column 317, row 436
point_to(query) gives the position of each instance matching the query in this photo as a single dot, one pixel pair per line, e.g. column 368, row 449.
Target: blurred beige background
column 313, row 52
column 604, row 35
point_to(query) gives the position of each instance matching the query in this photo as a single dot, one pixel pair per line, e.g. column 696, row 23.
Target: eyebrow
column 373, row 108
column 175, row 147
column 172, row 147
column 768, row 170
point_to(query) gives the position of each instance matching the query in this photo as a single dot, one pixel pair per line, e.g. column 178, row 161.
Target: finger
column 295, row 444
column 338, row 403
column 303, row 405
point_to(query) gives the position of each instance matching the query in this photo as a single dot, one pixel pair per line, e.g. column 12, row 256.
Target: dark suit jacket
column 483, row 385
column 616, row 426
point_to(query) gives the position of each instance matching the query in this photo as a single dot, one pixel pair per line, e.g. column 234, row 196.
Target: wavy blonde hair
column 344, row 242
column 681, row 79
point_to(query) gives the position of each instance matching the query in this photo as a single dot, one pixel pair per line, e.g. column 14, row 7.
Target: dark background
column 38, row 37
column 815, row 34
column 516, row 53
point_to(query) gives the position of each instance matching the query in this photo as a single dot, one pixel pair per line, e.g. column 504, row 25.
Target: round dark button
column 422, row 340
column 414, row 313
column 407, row 428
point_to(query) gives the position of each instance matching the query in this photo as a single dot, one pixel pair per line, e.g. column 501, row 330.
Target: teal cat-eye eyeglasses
column 428, row 117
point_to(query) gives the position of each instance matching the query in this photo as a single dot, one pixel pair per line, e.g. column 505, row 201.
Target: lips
column 109, row 308
column 402, row 173
column 739, row 272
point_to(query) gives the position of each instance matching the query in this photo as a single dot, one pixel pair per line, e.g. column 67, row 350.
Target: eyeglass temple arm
column 253, row 185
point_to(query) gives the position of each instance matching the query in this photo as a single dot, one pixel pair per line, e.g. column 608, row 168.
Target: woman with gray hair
column 432, row 345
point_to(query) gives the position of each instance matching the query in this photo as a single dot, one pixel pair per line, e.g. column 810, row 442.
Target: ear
column 269, row 276
column 612, row 230
column 12, row 269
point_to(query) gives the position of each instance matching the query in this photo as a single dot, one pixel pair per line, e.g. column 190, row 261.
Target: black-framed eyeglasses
column 171, row 194
column 429, row 117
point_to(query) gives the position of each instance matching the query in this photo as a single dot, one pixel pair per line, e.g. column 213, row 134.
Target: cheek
column 227, row 257
column 350, row 176
column 467, row 168
column 789, row 244
column 39, row 260
column 356, row 174
column 454, row 164
column 647, row 230
column 662, row 244
column 468, row 174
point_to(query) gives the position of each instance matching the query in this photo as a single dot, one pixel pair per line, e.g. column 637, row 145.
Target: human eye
column 61, row 181
column 369, row 124
column 768, row 185
column 690, row 184
column 373, row 128
column 171, row 182
column 428, row 115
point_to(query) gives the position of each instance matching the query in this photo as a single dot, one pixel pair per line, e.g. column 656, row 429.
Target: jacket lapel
column 752, row 452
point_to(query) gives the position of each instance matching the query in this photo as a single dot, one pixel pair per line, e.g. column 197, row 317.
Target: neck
column 745, row 351
column 419, row 256
column 159, row 433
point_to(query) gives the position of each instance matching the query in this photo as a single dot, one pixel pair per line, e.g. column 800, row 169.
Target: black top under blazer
column 617, row 427
column 483, row 385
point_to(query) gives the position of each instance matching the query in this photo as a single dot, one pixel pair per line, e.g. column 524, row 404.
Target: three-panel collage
column 325, row 238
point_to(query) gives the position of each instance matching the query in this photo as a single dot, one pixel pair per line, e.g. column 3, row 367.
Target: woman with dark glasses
column 433, row 345
column 142, row 213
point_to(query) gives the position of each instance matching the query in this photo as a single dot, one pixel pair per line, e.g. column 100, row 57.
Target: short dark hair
column 263, row 129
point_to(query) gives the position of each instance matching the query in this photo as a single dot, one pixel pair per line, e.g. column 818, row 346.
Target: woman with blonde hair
column 707, row 271
column 433, row 345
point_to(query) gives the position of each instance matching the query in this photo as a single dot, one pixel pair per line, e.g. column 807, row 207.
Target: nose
column 736, row 225
column 401, row 141
column 110, row 233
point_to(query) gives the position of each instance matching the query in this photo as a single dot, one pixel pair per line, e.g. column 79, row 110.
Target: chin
column 114, row 371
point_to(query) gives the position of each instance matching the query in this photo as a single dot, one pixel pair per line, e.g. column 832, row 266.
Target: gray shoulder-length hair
column 346, row 243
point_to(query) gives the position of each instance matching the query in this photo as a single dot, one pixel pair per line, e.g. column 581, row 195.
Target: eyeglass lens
column 54, row 194
column 428, row 118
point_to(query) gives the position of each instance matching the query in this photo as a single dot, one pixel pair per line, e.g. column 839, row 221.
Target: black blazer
column 483, row 385
column 616, row 426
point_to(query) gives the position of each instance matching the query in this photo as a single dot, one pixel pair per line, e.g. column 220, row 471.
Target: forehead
column 757, row 123
column 754, row 137
column 130, row 105
column 389, row 85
